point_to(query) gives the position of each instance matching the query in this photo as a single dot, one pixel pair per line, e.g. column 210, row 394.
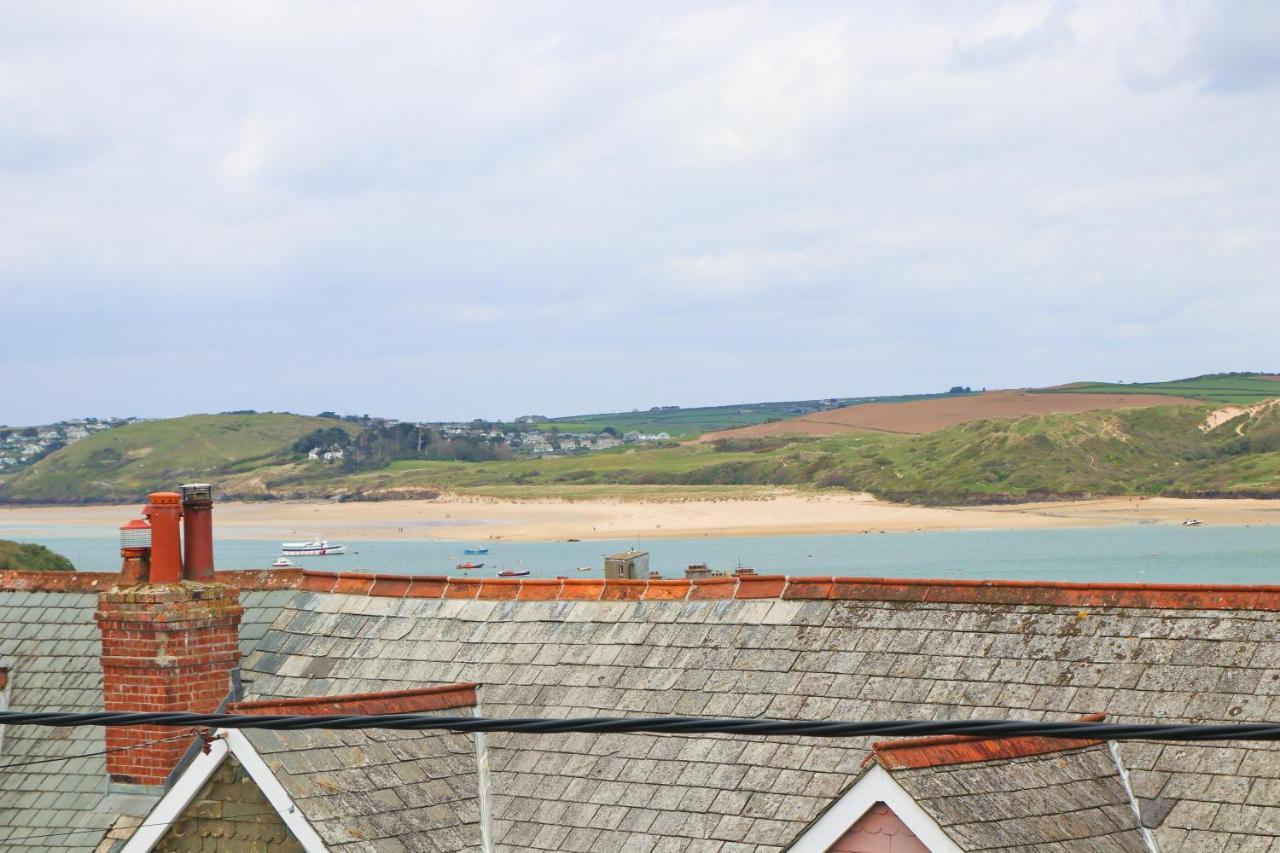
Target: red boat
column 513, row 573
column 469, row 565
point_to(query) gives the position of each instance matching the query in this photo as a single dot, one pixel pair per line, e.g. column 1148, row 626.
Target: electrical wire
column 107, row 751
column 9, row 841
column 665, row 725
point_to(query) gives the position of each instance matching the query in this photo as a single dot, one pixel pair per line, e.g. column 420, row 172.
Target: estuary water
column 1149, row 553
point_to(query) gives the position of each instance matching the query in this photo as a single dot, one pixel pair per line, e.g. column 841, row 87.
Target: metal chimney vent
column 196, row 493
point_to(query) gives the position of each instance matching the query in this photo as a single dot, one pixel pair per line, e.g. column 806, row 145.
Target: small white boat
column 1192, row 522
column 318, row 548
column 584, row 568
column 282, row 563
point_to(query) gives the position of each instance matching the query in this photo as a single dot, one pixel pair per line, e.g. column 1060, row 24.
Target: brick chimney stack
column 169, row 643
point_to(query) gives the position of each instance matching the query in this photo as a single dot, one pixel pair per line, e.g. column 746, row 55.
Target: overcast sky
column 448, row 210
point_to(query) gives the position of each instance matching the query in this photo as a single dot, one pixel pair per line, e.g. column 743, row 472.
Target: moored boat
column 584, row 568
column 469, row 565
column 282, row 563
column 318, row 548
column 513, row 573
column 478, row 549
column 1192, row 522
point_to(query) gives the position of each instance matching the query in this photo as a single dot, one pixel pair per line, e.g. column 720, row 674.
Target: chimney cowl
column 194, row 494
column 164, row 510
column 197, row 529
column 162, row 499
column 135, row 535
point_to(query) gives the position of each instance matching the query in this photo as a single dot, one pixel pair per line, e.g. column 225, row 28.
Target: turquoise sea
column 1150, row 553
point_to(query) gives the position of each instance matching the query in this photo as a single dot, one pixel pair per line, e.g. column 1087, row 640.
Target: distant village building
column 333, row 454
column 633, row 437
column 701, row 570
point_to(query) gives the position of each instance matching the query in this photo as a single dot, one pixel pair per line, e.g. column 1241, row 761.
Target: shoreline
column 454, row 518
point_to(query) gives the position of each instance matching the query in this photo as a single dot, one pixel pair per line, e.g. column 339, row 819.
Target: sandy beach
column 467, row 518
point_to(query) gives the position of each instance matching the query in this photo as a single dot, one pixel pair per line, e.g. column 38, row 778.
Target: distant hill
column 922, row 416
column 126, row 463
column 30, row 557
column 1072, row 441
column 1216, row 387
column 1176, row 450
column 684, row 423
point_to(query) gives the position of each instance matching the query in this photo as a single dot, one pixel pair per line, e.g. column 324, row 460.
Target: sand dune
column 921, row 416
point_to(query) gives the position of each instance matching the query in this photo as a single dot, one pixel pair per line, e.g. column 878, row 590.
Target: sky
column 447, row 210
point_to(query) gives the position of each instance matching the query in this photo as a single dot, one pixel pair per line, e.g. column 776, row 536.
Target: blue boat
column 479, row 549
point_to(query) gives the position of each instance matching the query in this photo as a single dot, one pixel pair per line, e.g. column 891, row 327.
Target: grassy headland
column 1177, row 451
column 30, row 557
column 125, row 463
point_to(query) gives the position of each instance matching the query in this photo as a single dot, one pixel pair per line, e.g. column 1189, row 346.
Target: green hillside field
column 1152, row 451
column 1218, row 387
column 1146, row 451
column 126, row 463
column 685, row 423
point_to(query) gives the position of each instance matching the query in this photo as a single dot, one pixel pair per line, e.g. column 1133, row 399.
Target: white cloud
column 829, row 180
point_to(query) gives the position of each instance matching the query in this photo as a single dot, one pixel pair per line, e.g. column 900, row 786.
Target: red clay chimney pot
column 164, row 510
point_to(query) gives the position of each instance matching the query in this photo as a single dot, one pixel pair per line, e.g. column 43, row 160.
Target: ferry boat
column 513, row 573
column 469, row 565
column 318, row 548
column 478, row 549
column 282, row 563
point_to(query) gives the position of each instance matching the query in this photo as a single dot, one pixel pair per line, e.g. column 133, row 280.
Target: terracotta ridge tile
column 824, row 587
column 942, row 750
column 411, row 701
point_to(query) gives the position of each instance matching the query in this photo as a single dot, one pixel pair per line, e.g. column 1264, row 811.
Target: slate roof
column 380, row 790
column 1069, row 799
column 51, row 645
column 867, row 649
column 814, row 659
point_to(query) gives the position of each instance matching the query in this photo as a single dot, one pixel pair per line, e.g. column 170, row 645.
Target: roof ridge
column 942, row 750
column 778, row 587
column 411, row 701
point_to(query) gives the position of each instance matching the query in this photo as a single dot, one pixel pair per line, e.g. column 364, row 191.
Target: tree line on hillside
column 380, row 444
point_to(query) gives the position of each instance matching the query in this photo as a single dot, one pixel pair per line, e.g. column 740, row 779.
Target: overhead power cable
column 665, row 725
column 108, row 751
column 99, row 831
